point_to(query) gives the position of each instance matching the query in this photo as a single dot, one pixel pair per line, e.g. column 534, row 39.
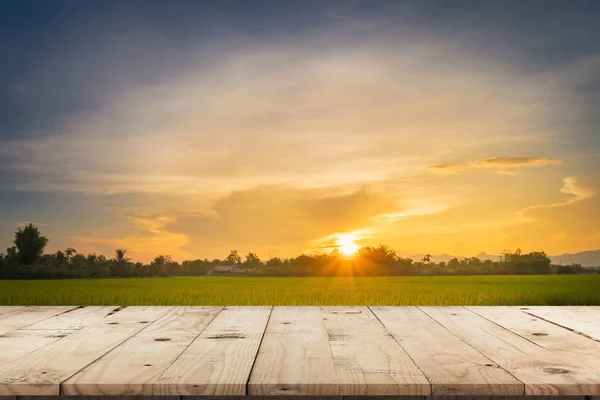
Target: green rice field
column 422, row 290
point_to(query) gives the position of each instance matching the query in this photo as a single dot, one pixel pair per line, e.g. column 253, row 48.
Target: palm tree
column 120, row 255
column 120, row 266
column 427, row 258
column 69, row 252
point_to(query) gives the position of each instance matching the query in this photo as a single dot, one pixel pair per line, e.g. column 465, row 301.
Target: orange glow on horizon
column 346, row 244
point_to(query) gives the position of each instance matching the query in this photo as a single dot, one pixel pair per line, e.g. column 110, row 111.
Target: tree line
column 27, row 260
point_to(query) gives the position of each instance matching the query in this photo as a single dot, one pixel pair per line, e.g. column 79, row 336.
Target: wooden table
column 302, row 351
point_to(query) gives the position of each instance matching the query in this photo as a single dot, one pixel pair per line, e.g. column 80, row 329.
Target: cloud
column 507, row 172
column 453, row 168
column 287, row 114
column 569, row 226
column 515, row 162
column 500, row 163
column 271, row 145
column 571, row 186
column 574, row 187
column 157, row 239
column 287, row 218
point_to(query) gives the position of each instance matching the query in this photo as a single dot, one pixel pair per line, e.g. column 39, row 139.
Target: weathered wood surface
column 295, row 356
column 552, row 337
column 42, row 371
column 368, row 360
column 20, row 342
column 136, row 365
column 324, row 352
column 219, row 361
column 16, row 318
column 583, row 320
column 452, row 366
column 542, row 371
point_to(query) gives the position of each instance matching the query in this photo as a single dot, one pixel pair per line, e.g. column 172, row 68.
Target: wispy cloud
column 567, row 226
column 503, row 164
column 287, row 115
column 572, row 187
column 506, row 172
column 156, row 239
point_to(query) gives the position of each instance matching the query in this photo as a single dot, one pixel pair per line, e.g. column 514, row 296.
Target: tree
column 508, row 256
column 378, row 255
column 427, row 258
column 252, row 261
column 233, row 258
column 539, row 262
column 30, row 244
column 274, row 262
column 162, row 260
column 565, row 269
column 375, row 260
column 120, row 255
column 70, row 252
column 10, row 264
column 119, row 266
column 195, row 267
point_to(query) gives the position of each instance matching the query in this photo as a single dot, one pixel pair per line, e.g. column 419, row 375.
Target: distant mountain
column 585, row 258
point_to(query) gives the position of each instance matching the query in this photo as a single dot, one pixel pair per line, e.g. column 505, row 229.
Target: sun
column 346, row 244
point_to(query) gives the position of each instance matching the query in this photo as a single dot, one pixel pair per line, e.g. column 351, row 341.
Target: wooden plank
column 367, row 358
column 10, row 309
column 41, row 372
column 29, row 315
column 294, row 357
column 391, row 398
column 20, row 342
column 195, row 398
column 132, row 368
column 581, row 319
column 282, row 397
column 542, row 371
column 544, row 334
column 509, row 398
column 452, row 366
column 75, row 319
column 219, row 361
column 98, row 398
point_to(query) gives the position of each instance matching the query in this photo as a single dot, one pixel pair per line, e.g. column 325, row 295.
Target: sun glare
column 346, row 244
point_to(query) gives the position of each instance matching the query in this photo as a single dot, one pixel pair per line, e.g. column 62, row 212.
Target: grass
column 430, row 290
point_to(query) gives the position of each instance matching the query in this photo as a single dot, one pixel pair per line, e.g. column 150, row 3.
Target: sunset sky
column 191, row 128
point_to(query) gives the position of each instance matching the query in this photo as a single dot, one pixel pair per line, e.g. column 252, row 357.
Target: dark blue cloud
column 66, row 57
column 56, row 211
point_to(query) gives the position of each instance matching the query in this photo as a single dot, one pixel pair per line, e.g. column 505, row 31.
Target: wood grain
column 133, row 367
column 543, row 372
column 584, row 320
column 219, row 361
column 544, row 334
column 452, row 366
column 367, row 358
column 20, row 318
column 460, row 353
column 41, row 372
column 294, row 357
column 10, row 309
column 18, row 343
